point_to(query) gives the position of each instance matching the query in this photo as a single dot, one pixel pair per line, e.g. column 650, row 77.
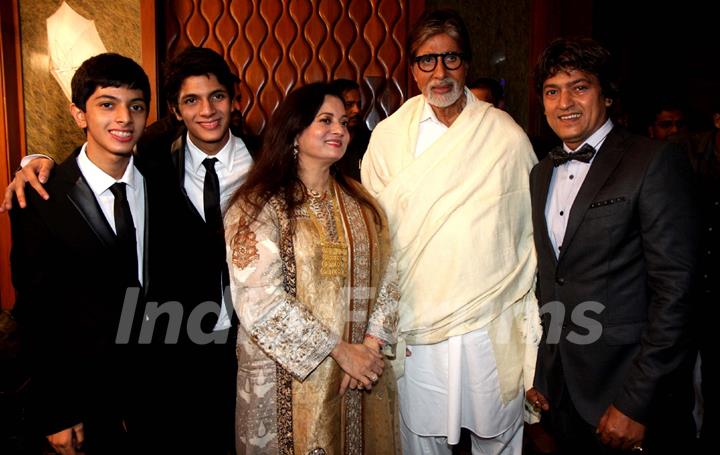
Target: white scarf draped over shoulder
column 460, row 223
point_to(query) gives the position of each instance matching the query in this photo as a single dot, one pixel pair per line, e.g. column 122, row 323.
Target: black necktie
column 211, row 196
column 214, row 221
column 560, row 156
column 125, row 229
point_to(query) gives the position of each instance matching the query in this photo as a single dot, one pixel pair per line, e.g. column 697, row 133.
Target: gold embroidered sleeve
column 279, row 324
column 383, row 321
column 294, row 338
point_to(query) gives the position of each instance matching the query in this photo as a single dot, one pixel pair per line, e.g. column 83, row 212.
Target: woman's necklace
column 314, row 193
column 333, row 253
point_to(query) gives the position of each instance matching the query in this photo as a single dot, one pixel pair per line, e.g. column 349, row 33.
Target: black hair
column 582, row 54
column 107, row 70
column 665, row 105
column 197, row 61
column 343, row 85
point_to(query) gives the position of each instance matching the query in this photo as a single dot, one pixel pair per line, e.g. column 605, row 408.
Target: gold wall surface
column 500, row 37
column 50, row 129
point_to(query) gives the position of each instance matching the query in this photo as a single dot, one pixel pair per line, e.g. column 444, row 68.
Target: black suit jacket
column 191, row 267
column 67, row 271
column 190, row 387
column 166, row 383
column 630, row 245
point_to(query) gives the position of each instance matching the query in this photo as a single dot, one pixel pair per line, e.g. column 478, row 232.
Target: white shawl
column 461, row 227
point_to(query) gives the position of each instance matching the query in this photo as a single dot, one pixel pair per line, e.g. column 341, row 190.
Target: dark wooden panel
column 275, row 46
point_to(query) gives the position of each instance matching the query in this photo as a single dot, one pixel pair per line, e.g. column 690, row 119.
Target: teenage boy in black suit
column 196, row 382
column 76, row 257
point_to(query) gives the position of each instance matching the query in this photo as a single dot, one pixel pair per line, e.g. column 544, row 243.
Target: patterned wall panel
column 276, row 45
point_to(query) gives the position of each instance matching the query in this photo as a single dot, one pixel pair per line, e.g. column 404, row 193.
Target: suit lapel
column 146, row 241
column 178, row 159
column 603, row 165
column 82, row 197
column 177, row 155
column 544, row 176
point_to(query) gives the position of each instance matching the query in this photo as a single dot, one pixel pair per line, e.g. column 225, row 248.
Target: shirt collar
column 195, row 156
column 428, row 114
column 596, row 139
column 97, row 179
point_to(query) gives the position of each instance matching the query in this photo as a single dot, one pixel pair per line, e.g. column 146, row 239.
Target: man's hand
column 537, row 400
column 36, row 172
column 620, row 431
column 68, row 441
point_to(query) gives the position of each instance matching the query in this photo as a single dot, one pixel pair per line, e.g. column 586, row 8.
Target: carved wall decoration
column 275, row 46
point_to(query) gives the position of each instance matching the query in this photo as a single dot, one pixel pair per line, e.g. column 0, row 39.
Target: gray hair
column 433, row 23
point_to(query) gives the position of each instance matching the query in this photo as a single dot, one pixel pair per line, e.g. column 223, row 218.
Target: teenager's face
column 324, row 141
column 204, row 107
column 574, row 105
column 114, row 118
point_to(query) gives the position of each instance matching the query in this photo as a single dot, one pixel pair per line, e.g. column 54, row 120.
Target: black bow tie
column 560, row 156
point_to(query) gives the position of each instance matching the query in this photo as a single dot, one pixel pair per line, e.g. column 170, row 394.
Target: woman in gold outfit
column 315, row 289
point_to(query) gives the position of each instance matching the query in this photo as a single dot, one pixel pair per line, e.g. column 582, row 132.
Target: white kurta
column 458, row 375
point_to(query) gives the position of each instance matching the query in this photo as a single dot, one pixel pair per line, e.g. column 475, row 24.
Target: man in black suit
column 78, row 257
column 615, row 231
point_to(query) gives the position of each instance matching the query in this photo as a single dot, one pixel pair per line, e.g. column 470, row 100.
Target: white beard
column 446, row 100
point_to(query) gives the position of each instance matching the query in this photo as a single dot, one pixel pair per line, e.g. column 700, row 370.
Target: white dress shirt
column 565, row 185
column 234, row 162
column 100, row 184
column 429, row 131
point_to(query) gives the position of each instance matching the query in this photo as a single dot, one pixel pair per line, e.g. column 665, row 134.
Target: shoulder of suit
column 63, row 176
column 67, row 171
column 537, row 166
column 641, row 145
column 178, row 145
column 640, row 152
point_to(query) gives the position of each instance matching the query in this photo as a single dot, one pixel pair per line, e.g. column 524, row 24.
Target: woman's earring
column 295, row 151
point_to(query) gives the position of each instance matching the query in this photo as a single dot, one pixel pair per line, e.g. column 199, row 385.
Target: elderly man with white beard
column 452, row 174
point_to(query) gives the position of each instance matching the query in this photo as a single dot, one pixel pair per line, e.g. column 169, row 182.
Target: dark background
column 663, row 50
